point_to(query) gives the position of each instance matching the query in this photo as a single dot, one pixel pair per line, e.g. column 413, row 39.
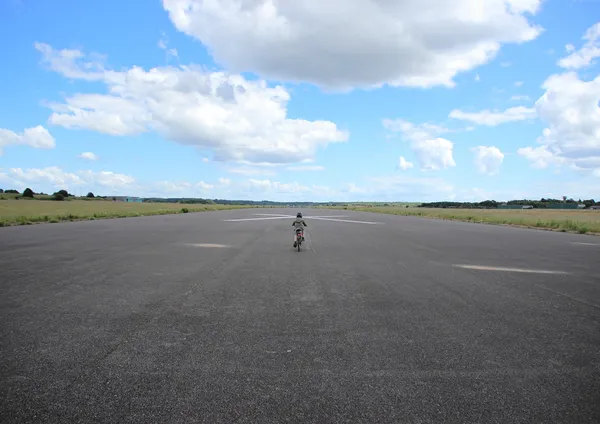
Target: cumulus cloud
column 570, row 109
column 494, row 118
column 56, row 177
column 88, row 156
column 349, row 43
column 488, row 159
column 432, row 152
column 239, row 119
column 540, row 157
column 585, row 56
column 37, row 137
column 404, row 164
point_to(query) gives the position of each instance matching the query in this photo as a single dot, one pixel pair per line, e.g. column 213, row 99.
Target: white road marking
column 325, row 216
column 207, row 245
column 585, row 244
column 264, row 218
column 496, row 268
column 347, row 220
column 305, row 217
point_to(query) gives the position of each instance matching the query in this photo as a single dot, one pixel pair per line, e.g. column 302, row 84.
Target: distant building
column 128, row 199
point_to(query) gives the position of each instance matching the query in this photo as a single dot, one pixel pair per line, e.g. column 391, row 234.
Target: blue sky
column 359, row 100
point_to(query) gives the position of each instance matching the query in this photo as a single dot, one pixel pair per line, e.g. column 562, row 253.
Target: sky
column 344, row 100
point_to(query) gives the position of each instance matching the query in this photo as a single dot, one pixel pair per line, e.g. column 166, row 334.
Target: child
column 298, row 223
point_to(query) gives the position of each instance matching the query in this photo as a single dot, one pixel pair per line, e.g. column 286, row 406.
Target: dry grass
column 25, row 212
column 580, row 221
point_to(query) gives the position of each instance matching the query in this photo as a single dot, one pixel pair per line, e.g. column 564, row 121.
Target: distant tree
column 28, row 192
column 58, row 196
column 12, row 191
column 90, row 195
column 65, row 193
column 1, row 191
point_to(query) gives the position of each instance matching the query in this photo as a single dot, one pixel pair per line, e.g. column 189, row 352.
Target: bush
column 90, row 195
column 28, row 192
column 58, row 196
column 184, row 210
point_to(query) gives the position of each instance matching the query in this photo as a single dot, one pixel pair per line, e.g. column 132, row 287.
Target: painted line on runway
column 347, row 220
column 585, row 244
column 264, row 218
column 304, row 217
column 506, row 269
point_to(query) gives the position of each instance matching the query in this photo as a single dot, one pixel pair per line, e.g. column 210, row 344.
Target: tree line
column 492, row 204
column 486, row 204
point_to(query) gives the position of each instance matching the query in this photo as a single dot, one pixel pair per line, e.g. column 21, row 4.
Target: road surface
column 214, row 317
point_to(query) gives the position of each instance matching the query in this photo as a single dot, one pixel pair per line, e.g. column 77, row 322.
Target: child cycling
column 299, row 223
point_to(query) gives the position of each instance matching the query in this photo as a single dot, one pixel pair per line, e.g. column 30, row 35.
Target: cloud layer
column 240, row 120
column 37, row 137
column 419, row 43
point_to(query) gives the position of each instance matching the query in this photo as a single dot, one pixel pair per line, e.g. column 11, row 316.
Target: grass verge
column 576, row 221
column 22, row 212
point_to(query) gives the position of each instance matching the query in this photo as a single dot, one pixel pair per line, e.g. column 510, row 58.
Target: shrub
column 90, row 195
column 58, row 196
column 28, row 192
column 184, row 210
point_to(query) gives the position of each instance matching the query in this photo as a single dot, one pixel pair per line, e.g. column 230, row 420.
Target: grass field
column 580, row 221
column 25, row 212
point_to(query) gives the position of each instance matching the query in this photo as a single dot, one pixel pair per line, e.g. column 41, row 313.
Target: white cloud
column 88, row 156
column 349, row 43
column 37, row 137
column 404, row 164
column 493, row 118
column 570, row 108
column 106, row 178
column 163, row 43
column 488, row 159
column 585, row 56
column 68, row 62
column 518, row 83
column 52, row 175
column 433, row 152
column 520, row 98
column 57, row 178
column 540, row 157
column 240, row 120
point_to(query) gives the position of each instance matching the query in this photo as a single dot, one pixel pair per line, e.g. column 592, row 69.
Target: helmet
column 299, row 215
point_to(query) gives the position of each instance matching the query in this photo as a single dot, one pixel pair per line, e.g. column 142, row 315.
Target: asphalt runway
column 378, row 319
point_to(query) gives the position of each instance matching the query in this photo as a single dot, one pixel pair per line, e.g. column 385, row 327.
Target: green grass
column 27, row 212
column 579, row 221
